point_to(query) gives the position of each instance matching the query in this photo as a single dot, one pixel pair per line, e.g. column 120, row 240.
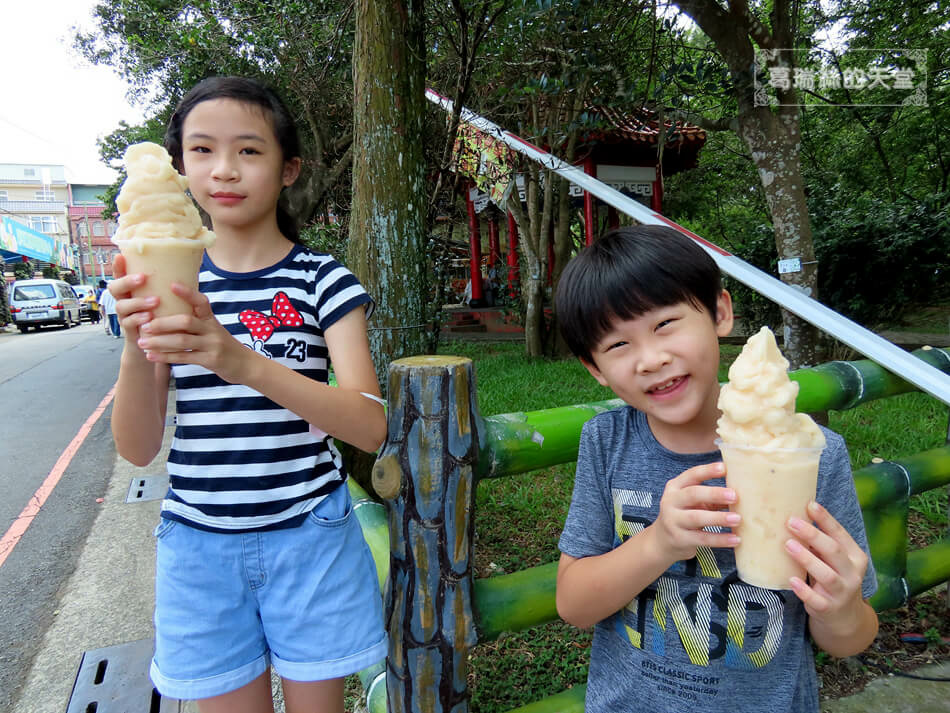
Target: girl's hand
column 197, row 338
column 133, row 312
column 687, row 506
column 835, row 565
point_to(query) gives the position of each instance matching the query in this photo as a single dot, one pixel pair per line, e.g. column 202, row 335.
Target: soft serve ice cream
column 758, row 403
column 160, row 232
column 771, row 455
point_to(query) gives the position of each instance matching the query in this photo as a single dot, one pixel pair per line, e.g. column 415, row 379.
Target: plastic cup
column 772, row 485
column 164, row 261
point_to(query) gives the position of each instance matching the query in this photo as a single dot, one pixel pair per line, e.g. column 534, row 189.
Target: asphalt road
column 51, row 381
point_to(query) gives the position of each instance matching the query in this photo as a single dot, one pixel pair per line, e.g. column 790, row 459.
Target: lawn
column 518, row 521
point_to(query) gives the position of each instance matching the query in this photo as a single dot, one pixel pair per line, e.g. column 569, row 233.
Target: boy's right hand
column 687, row 506
column 133, row 312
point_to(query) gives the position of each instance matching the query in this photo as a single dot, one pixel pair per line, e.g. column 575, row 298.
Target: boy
column 647, row 547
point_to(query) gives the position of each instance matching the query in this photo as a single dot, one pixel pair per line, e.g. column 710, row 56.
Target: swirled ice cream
column 771, row 455
column 758, row 403
column 152, row 202
column 160, row 232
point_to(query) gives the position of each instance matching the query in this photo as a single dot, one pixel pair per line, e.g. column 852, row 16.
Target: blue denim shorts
column 303, row 599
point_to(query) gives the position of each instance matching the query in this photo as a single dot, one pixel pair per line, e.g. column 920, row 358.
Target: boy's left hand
column 198, row 338
column 835, row 564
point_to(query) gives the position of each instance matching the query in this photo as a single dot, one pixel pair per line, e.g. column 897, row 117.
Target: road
column 51, row 381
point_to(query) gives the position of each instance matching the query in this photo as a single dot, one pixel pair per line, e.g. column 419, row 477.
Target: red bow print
column 262, row 326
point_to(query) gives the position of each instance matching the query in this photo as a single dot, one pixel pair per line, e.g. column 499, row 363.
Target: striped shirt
column 240, row 462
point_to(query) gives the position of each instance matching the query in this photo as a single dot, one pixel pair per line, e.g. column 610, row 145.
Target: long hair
column 253, row 93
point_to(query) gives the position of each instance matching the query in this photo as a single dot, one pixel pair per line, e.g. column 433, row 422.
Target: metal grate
column 115, row 680
column 149, row 487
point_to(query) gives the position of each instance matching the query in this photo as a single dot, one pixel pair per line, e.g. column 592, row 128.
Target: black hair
column 626, row 273
column 102, row 283
column 254, row 93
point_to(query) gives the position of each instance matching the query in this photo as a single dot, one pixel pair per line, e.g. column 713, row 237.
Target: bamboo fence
column 439, row 447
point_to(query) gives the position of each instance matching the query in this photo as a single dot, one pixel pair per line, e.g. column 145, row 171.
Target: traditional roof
column 631, row 139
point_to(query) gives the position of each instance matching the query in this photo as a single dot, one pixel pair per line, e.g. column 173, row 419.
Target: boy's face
column 665, row 363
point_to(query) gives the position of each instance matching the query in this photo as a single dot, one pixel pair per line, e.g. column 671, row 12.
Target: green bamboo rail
column 437, row 449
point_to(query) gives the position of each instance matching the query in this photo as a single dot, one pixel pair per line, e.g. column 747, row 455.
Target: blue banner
column 15, row 237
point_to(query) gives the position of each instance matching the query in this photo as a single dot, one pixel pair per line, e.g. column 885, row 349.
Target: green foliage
column 326, row 238
column 302, row 49
column 51, row 271
column 23, row 270
column 4, row 302
column 877, row 257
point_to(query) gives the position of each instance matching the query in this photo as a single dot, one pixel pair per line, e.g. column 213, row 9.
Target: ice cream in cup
column 160, row 232
column 771, row 456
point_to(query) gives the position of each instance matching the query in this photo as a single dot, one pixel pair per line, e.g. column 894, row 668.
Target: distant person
column 93, row 306
column 260, row 557
column 107, row 303
column 647, row 550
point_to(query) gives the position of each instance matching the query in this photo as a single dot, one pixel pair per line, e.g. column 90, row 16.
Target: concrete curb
column 899, row 694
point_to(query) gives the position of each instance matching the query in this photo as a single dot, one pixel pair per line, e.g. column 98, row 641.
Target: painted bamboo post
column 373, row 521
column 426, row 473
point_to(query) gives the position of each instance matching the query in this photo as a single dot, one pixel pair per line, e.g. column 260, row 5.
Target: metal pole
column 919, row 373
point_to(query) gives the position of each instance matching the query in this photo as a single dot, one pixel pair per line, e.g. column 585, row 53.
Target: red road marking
column 12, row 536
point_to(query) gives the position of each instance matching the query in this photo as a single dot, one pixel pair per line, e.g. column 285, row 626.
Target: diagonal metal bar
column 891, row 357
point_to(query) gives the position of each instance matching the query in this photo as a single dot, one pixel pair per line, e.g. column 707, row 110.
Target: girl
column 260, row 560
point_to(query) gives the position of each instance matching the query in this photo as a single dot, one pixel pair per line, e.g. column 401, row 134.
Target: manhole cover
column 149, row 487
column 115, row 680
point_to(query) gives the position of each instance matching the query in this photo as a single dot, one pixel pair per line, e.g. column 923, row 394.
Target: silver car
column 34, row 303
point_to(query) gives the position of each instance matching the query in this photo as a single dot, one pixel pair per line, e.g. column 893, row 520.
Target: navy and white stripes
column 238, row 460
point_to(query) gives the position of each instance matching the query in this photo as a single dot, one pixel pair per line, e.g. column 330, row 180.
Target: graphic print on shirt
column 723, row 618
column 263, row 326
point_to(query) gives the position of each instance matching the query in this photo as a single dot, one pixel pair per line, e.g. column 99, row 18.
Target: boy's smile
column 665, row 363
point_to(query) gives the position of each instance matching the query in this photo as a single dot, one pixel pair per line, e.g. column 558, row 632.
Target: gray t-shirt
column 698, row 638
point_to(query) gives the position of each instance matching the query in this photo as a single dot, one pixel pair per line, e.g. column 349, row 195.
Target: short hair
column 626, row 273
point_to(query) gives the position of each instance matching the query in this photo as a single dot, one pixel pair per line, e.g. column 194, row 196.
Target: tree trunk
column 532, row 232
column 773, row 141
column 774, row 138
column 386, row 248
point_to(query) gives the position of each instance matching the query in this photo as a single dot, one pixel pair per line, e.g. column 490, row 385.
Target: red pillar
column 494, row 248
column 512, row 257
column 590, row 170
column 656, row 200
column 475, row 250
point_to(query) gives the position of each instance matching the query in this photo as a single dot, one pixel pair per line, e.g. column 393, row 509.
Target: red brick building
column 90, row 232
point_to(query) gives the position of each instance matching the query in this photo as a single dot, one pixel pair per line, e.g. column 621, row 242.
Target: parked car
column 83, row 292
column 34, row 303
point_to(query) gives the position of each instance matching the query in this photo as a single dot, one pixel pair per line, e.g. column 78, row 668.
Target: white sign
column 793, row 264
column 479, row 199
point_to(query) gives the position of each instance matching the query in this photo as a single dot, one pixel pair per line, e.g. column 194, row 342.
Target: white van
column 34, row 303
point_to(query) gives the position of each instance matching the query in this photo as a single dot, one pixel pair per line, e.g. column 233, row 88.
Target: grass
column 518, row 520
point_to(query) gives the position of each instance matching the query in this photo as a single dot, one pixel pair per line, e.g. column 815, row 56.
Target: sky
column 54, row 105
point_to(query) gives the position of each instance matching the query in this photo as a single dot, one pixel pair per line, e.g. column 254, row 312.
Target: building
column 91, row 233
column 33, row 201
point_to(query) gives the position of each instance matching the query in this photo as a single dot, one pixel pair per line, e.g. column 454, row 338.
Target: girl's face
column 234, row 164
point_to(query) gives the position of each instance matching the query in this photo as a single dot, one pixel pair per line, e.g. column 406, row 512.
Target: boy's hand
column 687, row 506
column 198, row 338
column 836, row 565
